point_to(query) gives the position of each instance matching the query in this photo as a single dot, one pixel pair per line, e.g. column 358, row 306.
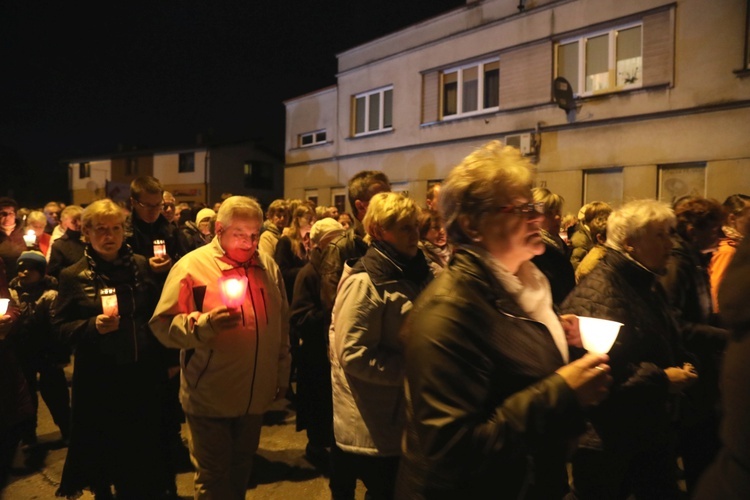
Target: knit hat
column 34, row 260
column 324, row 230
column 203, row 213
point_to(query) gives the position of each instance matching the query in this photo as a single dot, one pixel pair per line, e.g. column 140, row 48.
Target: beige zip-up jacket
column 226, row 373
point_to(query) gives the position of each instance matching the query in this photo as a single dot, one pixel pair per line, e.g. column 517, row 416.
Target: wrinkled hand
column 681, row 378
column 160, row 265
column 223, row 318
column 6, row 322
column 107, row 324
column 589, row 378
column 569, row 323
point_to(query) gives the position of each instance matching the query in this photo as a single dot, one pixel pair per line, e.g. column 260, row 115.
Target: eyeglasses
column 527, row 209
column 168, row 206
column 7, row 214
column 158, row 206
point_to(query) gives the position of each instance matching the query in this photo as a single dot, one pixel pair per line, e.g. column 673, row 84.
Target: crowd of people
column 435, row 350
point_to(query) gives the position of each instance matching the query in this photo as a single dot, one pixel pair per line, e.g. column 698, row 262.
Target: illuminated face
column 148, row 207
column 436, row 234
column 169, row 208
column 72, row 223
column 38, row 228
column 106, row 235
column 345, row 221
column 239, row 239
column 7, row 217
column 653, row 248
column 333, row 211
column 403, row 237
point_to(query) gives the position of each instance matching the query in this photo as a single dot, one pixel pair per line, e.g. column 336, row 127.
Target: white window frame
column 459, row 70
column 611, row 62
column 315, row 137
column 381, row 112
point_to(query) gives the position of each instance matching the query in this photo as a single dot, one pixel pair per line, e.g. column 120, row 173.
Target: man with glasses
column 52, row 212
column 235, row 355
column 11, row 235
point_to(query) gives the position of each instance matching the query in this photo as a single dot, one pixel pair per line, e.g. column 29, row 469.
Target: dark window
column 187, row 162
column 131, row 166
column 84, row 170
column 258, row 175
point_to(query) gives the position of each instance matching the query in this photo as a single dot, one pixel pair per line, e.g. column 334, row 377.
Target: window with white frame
column 312, row 138
column 471, row 88
column 604, row 61
column 372, row 111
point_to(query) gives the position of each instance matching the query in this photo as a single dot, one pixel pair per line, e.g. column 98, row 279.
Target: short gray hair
column 630, row 221
column 491, row 176
column 239, row 207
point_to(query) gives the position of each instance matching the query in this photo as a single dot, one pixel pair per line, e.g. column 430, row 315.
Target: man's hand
column 223, row 318
column 107, row 324
column 6, row 322
column 569, row 323
column 160, row 265
column 681, row 378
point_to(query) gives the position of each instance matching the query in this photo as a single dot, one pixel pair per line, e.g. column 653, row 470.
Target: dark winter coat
column 289, row 263
column 66, row 251
column 350, row 245
column 486, row 414
column 555, row 264
column 729, row 476
column 142, row 236
column 638, row 413
column 11, row 247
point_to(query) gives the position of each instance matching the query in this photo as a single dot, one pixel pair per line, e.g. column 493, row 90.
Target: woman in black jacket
column 491, row 404
column 119, row 370
column 629, row 446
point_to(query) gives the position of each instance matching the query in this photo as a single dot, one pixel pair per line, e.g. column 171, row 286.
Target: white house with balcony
column 660, row 100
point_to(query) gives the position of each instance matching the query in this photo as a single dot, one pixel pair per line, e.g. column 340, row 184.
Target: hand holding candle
column 30, row 238
column 109, row 302
column 232, row 290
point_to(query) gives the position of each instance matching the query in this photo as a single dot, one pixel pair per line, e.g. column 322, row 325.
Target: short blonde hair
column 35, row 216
column 71, row 212
column 388, row 209
column 491, row 176
column 629, row 222
column 100, row 209
column 552, row 201
column 242, row 207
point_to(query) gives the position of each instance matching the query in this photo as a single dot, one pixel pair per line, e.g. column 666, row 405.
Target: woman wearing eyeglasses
column 11, row 235
column 120, row 369
column 491, row 404
column 433, row 241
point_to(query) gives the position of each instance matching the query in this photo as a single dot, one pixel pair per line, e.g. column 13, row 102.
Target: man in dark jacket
column 350, row 245
column 68, row 248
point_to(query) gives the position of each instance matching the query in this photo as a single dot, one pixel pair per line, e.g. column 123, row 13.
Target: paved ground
column 281, row 471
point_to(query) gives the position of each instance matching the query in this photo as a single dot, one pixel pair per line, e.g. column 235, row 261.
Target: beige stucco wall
column 167, row 166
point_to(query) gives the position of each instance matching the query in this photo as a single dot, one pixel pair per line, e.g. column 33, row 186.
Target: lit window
column 470, row 89
column 373, row 111
column 187, row 162
column 605, row 61
column 312, row 138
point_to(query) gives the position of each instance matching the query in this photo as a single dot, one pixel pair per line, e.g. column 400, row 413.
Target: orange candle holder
column 109, row 301
column 233, row 291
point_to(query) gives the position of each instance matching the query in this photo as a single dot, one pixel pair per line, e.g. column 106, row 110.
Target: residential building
column 660, row 102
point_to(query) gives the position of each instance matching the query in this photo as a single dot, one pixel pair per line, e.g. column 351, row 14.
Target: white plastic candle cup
column 598, row 335
column 4, row 306
column 30, row 238
column 232, row 291
column 109, row 302
column 160, row 249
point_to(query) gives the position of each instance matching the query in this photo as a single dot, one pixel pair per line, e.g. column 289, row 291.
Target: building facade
column 660, row 108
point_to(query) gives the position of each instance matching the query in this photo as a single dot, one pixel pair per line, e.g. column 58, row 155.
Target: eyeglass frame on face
column 253, row 238
column 532, row 208
column 146, row 206
column 5, row 214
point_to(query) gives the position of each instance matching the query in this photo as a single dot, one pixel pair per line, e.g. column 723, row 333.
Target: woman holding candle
column 490, row 403
column 34, row 234
column 629, row 446
column 119, row 370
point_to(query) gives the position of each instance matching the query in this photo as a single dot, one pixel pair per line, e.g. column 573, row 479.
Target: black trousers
column 377, row 473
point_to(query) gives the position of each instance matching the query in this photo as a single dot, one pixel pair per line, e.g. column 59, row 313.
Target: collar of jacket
column 471, row 264
column 272, row 228
column 149, row 228
column 46, row 283
column 381, row 268
column 550, row 241
column 69, row 234
column 225, row 263
column 631, row 271
column 683, row 249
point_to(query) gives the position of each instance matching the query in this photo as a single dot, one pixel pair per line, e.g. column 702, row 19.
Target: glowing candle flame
column 4, row 306
column 598, row 335
column 233, row 291
column 29, row 238
column 160, row 248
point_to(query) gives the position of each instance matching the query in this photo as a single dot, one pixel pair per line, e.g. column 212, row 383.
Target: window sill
column 311, row 146
column 371, row 134
column 742, row 73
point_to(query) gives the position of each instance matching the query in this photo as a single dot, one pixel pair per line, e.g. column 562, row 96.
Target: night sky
column 80, row 81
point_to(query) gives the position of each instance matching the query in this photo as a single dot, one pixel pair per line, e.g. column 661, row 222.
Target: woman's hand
column 223, row 318
column 681, row 378
column 569, row 323
column 588, row 377
column 107, row 324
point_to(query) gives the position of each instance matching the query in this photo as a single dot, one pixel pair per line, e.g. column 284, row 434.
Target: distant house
column 659, row 102
column 192, row 174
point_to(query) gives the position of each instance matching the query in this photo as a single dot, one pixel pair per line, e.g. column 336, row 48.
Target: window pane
column 629, row 59
column 388, row 109
column 306, row 139
column 597, row 63
column 374, row 118
column 471, row 89
column 450, row 94
column 492, row 84
column 320, row 137
column 567, row 64
column 360, row 115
